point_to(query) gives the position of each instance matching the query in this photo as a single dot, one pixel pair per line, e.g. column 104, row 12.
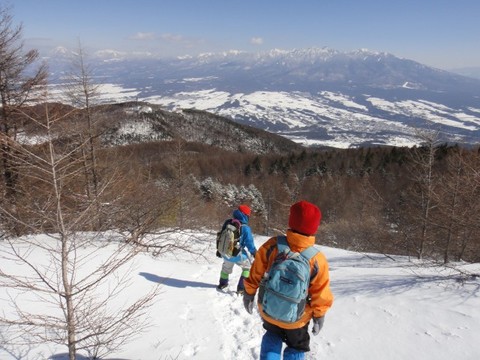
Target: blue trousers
column 271, row 349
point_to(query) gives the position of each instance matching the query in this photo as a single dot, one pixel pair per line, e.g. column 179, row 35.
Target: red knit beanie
column 304, row 218
column 245, row 209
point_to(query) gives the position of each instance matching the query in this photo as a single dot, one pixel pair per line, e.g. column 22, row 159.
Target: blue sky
column 439, row 33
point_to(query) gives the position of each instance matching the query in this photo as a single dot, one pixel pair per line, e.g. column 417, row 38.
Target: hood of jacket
column 299, row 242
column 237, row 214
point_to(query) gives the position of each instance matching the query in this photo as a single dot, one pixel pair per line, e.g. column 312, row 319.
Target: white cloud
column 143, row 36
column 172, row 38
column 256, row 41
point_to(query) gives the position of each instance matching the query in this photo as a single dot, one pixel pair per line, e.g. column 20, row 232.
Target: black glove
column 317, row 325
column 218, row 254
column 248, row 302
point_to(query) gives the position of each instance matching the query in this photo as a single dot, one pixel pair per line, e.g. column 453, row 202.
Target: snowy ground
column 383, row 309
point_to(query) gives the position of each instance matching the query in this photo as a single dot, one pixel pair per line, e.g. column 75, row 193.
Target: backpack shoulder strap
column 282, row 243
column 236, row 222
column 310, row 252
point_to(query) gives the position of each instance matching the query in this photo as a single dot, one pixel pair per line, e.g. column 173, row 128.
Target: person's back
column 228, row 238
column 242, row 259
column 284, row 292
column 304, row 220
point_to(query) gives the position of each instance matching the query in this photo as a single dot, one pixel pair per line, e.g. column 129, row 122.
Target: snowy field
column 383, row 309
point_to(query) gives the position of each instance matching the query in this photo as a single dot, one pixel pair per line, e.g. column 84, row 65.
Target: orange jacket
column 321, row 295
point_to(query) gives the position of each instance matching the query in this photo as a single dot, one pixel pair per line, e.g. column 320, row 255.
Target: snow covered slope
column 385, row 308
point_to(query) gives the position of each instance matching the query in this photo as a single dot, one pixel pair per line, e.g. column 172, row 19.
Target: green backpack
column 228, row 240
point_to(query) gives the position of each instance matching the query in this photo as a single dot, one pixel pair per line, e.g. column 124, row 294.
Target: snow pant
column 297, row 340
column 227, row 269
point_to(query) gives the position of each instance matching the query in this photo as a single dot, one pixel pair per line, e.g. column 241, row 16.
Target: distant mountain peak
column 61, row 50
column 309, row 55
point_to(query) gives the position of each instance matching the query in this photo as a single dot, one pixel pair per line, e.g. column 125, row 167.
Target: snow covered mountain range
column 315, row 96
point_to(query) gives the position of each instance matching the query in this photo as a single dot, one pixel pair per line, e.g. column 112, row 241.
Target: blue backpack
column 284, row 289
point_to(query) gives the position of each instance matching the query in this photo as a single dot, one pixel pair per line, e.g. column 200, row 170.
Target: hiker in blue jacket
column 243, row 259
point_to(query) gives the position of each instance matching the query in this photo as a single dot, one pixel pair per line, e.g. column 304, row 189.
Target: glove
column 248, row 302
column 317, row 325
column 219, row 255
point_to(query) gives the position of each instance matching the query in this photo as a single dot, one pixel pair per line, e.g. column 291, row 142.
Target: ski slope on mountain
column 385, row 308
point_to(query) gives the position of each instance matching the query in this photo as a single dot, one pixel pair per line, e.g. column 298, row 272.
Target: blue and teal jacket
column 246, row 238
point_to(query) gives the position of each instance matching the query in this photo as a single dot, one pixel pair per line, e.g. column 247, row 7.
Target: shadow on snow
column 178, row 283
column 79, row 357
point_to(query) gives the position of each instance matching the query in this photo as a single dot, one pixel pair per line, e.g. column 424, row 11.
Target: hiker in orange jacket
column 304, row 219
